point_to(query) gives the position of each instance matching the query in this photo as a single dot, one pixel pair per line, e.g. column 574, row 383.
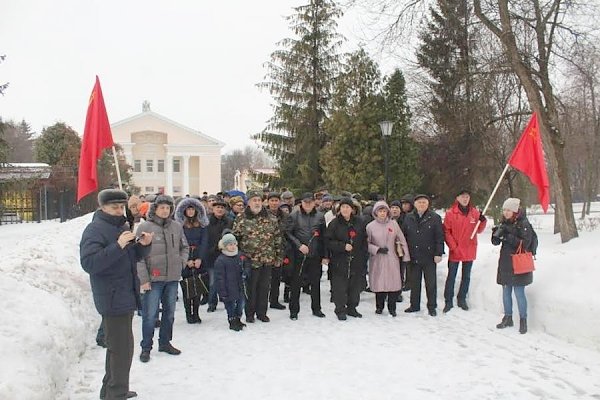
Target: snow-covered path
column 48, row 349
column 455, row 356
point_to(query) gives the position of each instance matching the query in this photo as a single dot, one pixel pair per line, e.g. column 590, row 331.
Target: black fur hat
column 112, row 196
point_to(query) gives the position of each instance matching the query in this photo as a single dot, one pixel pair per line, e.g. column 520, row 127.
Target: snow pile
column 48, row 349
column 47, row 307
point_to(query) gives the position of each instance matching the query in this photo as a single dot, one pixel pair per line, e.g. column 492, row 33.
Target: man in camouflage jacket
column 259, row 238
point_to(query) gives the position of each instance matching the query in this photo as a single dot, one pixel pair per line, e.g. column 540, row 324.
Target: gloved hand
column 482, row 217
column 382, row 250
column 498, row 231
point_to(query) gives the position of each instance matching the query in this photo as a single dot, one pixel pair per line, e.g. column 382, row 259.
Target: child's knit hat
column 227, row 238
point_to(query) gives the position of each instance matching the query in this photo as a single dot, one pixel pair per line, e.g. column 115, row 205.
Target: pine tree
column 19, row 139
column 446, row 53
column 354, row 157
column 58, row 144
column 299, row 79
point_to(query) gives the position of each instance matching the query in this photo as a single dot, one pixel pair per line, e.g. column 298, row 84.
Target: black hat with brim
column 307, row 196
column 421, row 196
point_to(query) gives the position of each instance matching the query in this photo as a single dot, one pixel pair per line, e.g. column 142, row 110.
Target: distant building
column 252, row 179
column 168, row 157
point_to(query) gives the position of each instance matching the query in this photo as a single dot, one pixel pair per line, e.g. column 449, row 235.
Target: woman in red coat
column 459, row 223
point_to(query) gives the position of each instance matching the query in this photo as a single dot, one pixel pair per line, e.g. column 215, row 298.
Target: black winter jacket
column 510, row 234
column 302, row 228
column 230, row 272
column 216, row 227
column 337, row 235
column 113, row 272
column 424, row 235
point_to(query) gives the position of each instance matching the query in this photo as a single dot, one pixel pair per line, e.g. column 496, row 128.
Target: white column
column 186, row 175
column 200, row 188
column 169, row 171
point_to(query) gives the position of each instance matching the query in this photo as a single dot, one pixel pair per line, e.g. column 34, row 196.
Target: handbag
column 522, row 261
column 399, row 250
column 193, row 286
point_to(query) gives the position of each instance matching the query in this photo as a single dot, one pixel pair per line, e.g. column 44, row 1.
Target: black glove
column 498, row 231
column 382, row 250
column 482, row 217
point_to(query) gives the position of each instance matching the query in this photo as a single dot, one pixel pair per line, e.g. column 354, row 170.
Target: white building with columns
column 168, row 157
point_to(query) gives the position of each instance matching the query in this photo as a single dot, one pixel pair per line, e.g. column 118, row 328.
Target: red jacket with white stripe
column 458, row 228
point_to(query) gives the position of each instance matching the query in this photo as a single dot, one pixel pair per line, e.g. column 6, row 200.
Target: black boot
column 195, row 311
column 463, row 304
column 234, row 325
column 240, row 323
column 506, row 321
column 523, row 326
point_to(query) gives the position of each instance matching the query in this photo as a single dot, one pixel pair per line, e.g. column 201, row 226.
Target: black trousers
column 275, row 283
column 417, row 272
column 191, row 306
column 119, row 353
column 392, row 298
column 345, row 290
column 258, row 291
column 312, row 271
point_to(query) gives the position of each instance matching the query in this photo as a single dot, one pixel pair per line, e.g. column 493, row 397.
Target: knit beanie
column 511, row 204
column 227, row 238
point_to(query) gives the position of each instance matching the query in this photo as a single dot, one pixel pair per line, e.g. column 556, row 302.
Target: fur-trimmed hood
column 201, row 215
column 160, row 199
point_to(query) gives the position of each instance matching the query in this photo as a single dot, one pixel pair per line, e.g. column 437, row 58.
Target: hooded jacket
column 170, row 250
column 197, row 237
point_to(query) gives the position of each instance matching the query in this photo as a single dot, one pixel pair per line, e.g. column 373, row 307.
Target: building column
column 200, row 188
column 169, row 173
column 186, row 175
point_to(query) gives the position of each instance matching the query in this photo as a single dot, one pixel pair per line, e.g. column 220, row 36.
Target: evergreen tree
column 299, row 79
column 3, row 143
column 58, row 144
column 354, row 157
column 19, row 139
column 446, row 53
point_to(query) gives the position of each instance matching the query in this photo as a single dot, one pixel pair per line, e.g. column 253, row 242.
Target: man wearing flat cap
column 109, row 252
column 304, row 229
column 259, row 238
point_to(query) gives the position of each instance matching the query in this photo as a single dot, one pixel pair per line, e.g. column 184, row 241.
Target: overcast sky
column 196, row 62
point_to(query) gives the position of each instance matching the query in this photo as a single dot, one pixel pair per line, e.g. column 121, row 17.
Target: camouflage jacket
column 259, row 237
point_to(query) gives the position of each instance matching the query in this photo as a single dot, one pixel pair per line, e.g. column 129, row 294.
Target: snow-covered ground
column 48, row 350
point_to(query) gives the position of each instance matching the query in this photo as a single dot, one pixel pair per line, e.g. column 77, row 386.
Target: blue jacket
column 230, row 272
column 113, row 273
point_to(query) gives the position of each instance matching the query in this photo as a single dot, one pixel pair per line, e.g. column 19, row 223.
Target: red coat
column 458, row 229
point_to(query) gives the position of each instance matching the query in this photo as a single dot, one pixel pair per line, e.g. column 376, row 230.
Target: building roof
column 12, row 171
column 150, row 113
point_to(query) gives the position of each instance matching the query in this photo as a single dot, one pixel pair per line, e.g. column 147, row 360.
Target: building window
column 176, row 189
column 149, row 189
column 176, row 165
column 160, row 167
column 149, row 165
column 137, row 165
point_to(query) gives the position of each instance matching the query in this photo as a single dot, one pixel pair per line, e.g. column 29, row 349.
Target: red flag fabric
column 528, row 157
column 96, row 137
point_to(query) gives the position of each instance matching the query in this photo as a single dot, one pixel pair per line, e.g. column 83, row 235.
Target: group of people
column 240, row 248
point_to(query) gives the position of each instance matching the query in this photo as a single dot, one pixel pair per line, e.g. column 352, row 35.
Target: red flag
column 96, row 138
column 528, row 157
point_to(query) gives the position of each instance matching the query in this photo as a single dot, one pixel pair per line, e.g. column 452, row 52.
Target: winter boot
column 447, row 308
column 506, row 321
column 234, row 325
column 169, row 349
column 145, row 356
column 240, row 323
column 523, row 326
column 353, row 313
column 463, row 304
column 195, row 311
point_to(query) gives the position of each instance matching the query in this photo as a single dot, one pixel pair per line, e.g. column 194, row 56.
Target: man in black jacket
column 109, row 253
column 218, row 222
column 304, row 229
column 424, row 233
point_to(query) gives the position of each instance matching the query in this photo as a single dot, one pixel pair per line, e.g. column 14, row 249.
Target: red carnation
column 390, row 230
column 352, row 233
column 316, row 233
column 286, row 261
column 242, row 258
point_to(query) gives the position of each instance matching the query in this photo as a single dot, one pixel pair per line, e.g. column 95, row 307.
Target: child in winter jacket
column 231, row 270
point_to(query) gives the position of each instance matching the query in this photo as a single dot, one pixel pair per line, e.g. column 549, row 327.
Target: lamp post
column 386, row 131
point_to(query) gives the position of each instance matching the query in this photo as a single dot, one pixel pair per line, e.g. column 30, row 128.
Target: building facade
column 168, row 157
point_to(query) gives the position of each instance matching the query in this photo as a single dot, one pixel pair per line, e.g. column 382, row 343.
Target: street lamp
column 386, row 131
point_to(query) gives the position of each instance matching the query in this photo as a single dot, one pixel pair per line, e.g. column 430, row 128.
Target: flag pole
column 114, row 151
column 490, row 199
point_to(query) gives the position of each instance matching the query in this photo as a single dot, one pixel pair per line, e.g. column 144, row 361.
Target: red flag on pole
column 528, row 157
column 96, row 137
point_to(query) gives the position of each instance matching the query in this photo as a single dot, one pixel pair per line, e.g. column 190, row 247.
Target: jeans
column 212, row 288
column 165, row 293
column 235, row 308
column 521, row 300
column 464, row 281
